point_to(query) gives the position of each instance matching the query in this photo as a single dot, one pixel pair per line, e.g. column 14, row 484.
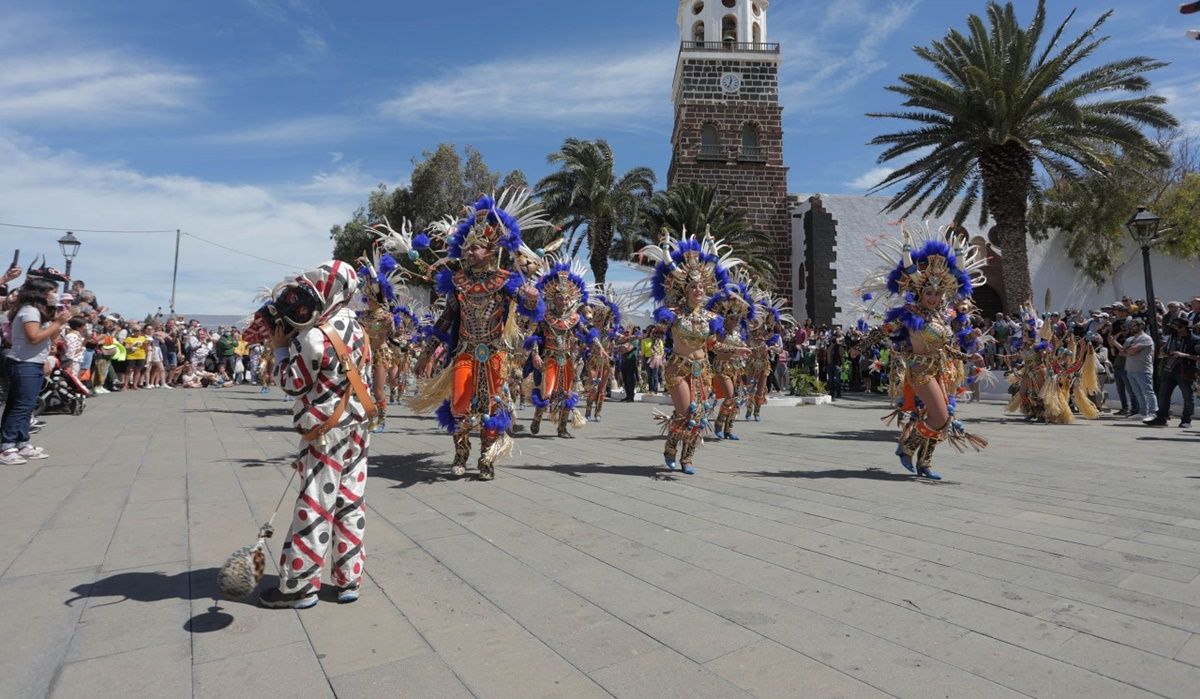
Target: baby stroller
column 61, row 393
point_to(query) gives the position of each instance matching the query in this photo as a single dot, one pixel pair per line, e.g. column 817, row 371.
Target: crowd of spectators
column 46, row 331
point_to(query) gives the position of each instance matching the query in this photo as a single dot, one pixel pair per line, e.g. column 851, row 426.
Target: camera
column 296, row 303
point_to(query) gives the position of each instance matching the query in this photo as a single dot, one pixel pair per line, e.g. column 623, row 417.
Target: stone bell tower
column 728, row 123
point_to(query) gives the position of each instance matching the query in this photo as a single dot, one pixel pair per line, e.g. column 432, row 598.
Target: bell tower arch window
column 710, row 142
column 729, row 30
column 698, row 32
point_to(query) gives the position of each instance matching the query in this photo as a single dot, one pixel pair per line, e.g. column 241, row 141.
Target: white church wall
column 859, row 221
column 1051, row 268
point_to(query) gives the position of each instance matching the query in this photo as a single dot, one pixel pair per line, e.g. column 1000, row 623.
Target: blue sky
column 257, row 124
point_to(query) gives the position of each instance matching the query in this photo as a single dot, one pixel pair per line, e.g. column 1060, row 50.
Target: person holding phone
column 34, row 327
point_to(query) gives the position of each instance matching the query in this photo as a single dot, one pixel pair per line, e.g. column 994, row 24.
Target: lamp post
column 1143, row 228
column 69, row 245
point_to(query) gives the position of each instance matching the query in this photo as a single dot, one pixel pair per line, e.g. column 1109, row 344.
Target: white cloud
column 309, row 130
column 288, row 223
column 88, row 87
column 824, row 60
column 49, row 74
column 619, row 89
column 870, row 178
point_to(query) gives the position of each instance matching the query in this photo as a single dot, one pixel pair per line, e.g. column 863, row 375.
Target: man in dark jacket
column 1180, row 353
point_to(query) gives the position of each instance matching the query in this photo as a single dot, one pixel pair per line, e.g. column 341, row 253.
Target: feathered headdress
column 563, row 280
column 943, row 261
column 606, row 305
column 495, row 222
column 681, row 262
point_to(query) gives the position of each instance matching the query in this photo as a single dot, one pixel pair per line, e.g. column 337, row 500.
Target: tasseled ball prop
column 242, row 572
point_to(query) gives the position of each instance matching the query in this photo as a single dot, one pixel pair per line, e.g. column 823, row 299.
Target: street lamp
column 1143, row 228
column 69, row 245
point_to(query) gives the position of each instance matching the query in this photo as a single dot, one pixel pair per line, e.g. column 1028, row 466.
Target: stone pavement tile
column 1170, row 541
column 252, row 629
column 148, row 534
column 161, row 670
column 217, row 529
column 38, row 625
column 67, row 548
column 1132, row 602
column 767, row 669
column 1032, row 633
column 663, row 674
column 587, row 636
column 152, row 489
column 283, row 670
column 594, row 570
column 96, row 506
column 131, row 609
column 490, row 652
column 1190, row 653
column 1153, row 673
column 383, row 537
column 997, row 592
column 371, row 632
column 1190, row 523
column 213, row 482
column 1140, row 550
column 1114, row 626
column 1029, row 672
column 1167, row 589
column 420, row 676
column 879, row 536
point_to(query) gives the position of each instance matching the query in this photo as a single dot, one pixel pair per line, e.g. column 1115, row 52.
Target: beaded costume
column 682, row 266
column 559, row 339
column 736, row 308
column 479, row 326
column 1053, row 372
column 605, row 319
column 928, row 352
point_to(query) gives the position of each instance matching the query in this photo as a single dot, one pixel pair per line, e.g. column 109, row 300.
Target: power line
column 73, row 229
column 242, row 252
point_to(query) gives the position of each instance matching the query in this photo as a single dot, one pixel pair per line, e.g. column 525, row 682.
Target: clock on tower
column 728, row 123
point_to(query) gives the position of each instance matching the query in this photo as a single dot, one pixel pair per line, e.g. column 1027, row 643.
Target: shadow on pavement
column 256, row 412
column 875, row 474
column 579, row 470
column 407, row 470
column 848, row 436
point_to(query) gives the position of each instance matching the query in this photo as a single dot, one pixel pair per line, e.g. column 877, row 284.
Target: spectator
column 1181, row 351
column 73, row 360
column 1121, row 325
column 1138, row 350
column 33, row 329
column 628, row 352
column 135, row 356
column 226, row 355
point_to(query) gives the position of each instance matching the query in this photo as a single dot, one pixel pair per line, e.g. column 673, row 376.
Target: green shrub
column 805, row 384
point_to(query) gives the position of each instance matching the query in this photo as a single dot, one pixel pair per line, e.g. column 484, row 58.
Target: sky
column 255, row 125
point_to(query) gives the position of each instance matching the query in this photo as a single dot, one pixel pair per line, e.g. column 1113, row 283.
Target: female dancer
column 928, row 368
column 687, row 274
column 736, row 308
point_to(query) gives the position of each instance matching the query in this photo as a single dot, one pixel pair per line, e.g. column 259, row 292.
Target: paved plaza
column 800, row 562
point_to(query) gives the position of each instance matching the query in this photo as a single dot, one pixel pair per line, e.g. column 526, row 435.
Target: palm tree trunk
column 1007, row 180
column 599, row 245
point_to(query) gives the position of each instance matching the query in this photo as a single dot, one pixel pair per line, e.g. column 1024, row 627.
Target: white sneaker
column 168, row 386
column 12, row 458
column 31, row 452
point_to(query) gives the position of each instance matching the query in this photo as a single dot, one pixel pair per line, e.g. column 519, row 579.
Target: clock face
column 731, row 82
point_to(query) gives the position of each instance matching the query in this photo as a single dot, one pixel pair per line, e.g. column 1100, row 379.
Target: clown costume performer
column 928, row 357
column 686, row 275
column 735, row 307
column 478, row 327
column 604, row 316
column 331, row 415
column 556, row 344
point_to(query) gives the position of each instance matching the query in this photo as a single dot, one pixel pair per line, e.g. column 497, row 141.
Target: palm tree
column 590, row 200
column 1000, row 106
column 697, row 208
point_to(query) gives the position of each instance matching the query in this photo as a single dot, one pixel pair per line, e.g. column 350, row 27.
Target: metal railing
column 753, row 154
column 758, row 46
column 710, row 151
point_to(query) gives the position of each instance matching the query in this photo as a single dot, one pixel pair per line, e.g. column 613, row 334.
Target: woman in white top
column 34, row 326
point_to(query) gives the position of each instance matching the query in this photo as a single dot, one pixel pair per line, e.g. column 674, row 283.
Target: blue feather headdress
column 494, row 222
column 677, row 263
column 564, row 279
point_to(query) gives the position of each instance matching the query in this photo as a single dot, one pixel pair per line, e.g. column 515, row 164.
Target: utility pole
column 175, row 273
